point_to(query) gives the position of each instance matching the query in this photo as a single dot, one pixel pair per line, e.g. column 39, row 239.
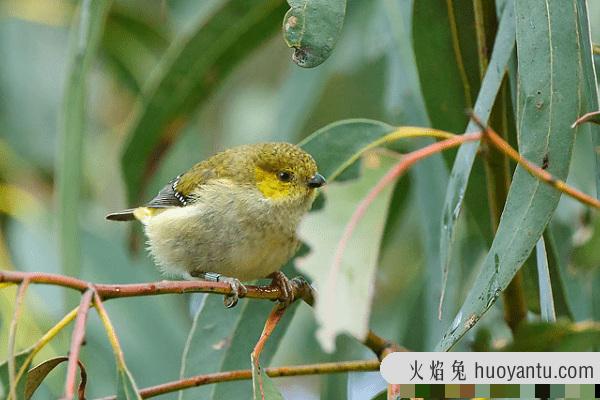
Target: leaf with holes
column 311, row 28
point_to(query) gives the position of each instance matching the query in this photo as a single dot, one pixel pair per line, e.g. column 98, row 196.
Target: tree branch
column 238, row 375
column 111, row 291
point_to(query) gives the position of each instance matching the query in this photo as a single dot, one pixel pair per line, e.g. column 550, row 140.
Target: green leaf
column 311, row 28
column 343, row 267
column 446, row 31
column 85, row 38
column 20, row 359
column 334, row 154
column 561, row 336
column 547, row 310
column 591, row 85
column 463, row 163
column 263, row 387
column 36, row 375
column 222, row 339
column 132, row 45
column 193, row 66
column 126, row 387
column 549, row 96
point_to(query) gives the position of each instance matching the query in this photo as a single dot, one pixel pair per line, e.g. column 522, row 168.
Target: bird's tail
column 125, row 215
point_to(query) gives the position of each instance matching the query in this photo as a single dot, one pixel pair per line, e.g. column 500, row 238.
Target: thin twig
column 272, row 321
column 76, row 342
column 238, row 375
column 110, row 330
column 12, row 339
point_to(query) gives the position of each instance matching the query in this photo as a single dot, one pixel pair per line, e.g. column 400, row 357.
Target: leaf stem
column 76, row 343
column 272, row 321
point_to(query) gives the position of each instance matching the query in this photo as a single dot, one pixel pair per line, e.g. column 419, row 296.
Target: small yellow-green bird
column 232, row 217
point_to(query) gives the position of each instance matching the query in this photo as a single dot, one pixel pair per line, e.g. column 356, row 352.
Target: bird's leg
column 237, row 288
column 281, row 281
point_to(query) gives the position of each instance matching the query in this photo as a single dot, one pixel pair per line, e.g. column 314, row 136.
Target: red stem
column 76, row 342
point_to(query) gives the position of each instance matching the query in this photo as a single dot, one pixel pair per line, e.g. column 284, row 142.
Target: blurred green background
column 265, row 97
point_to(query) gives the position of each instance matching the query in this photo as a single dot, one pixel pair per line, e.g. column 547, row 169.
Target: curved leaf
column 263, row 387
column 37, row 374
column 343, row 268
column 549, row 99
column 547, row 310
column 221, row 339
column 463, row 163
column 337, row 146
column 193, row 66
column 311, row 28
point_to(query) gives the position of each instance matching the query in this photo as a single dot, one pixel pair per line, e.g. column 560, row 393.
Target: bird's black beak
column 316, row 181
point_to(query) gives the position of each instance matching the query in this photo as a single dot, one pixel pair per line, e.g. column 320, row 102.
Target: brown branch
column 111, row 291
column 239, row 375
column 76, row 343
column 301, row 290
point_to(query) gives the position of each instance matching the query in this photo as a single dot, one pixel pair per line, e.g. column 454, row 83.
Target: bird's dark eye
column 284, row 176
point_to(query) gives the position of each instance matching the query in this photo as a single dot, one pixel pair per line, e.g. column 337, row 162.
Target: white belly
column 245, row 239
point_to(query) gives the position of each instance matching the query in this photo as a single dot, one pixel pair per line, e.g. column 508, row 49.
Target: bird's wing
column 178, row 192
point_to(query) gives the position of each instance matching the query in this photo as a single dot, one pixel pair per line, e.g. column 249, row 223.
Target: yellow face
column 285, row 172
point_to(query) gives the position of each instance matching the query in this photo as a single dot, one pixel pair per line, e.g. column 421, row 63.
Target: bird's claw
column 238, row 290
column 279, row 280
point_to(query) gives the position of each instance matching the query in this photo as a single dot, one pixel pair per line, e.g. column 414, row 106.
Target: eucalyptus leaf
column 36, row 375
column 463, row 163
column 311, row 28
column 222, row 339
column 547, row 310
column 548, row 101
column 343, row 267
column 263, row 387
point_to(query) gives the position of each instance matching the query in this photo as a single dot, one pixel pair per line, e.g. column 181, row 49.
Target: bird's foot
column 279, row 280
column 238, row 290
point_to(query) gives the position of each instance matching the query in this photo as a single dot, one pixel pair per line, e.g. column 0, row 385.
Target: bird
column 232, row 217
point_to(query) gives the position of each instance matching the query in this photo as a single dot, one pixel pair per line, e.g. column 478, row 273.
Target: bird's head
column 285, row 172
